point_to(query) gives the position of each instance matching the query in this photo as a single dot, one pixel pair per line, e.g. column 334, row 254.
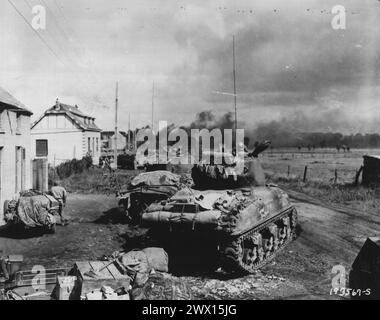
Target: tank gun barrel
column 261, row 147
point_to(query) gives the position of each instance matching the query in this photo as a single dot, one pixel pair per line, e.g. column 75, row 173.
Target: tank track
column 251, row 250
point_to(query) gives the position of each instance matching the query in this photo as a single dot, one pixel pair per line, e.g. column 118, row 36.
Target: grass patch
column 96, row 180
column 364, row 198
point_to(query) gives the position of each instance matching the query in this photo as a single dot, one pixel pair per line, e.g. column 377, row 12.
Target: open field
column 321, row 163
column 330, row 175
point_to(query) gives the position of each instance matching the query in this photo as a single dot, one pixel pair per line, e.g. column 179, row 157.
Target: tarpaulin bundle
column 209, row 217
column 30, row 193
column 219, row 210
column 156, row 178
column 34, row 211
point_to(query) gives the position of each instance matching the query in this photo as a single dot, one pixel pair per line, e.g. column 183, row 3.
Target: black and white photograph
column 191, row 151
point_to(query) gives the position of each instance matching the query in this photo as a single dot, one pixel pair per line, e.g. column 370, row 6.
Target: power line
column 35, row 31
column 66, row 55
column 47, row 44
column 68, row 25
column 63, row 32
column 60, row 47
column 69, row 57
column 78, row 53
column 234, row 74
column 55, row 17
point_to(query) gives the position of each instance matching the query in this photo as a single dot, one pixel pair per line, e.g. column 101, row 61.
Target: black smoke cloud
column 297, row 129
column 291, row 61
column 207, row 120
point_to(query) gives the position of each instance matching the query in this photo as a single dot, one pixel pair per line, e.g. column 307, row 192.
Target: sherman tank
column 233, row 221
column 147, row 188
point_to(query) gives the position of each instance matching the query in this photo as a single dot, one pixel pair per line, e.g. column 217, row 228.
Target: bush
column 96, row 180
column 68, row 168
column 126, row 161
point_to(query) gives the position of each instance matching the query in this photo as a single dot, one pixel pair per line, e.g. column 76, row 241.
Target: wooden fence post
column 335, row 175
column 358, row 175
column 304, row 174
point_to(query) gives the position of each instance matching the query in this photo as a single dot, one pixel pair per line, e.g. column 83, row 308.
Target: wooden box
column 110, row 276
column 65, row 287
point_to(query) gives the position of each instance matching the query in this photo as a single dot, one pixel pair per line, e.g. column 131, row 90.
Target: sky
column 290, row 62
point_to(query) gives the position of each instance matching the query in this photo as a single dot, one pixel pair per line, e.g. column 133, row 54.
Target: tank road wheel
column 257, row 241
column 294, row 221
column 254, row 254
column 248, row 252
column 247, row 255
column 270, row 239
column 268, row 246
column 251, row 249
column 231, row 255
column 284, row 230
column 261, row 254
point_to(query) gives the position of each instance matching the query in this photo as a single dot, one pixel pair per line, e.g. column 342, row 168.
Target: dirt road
column 330, row 236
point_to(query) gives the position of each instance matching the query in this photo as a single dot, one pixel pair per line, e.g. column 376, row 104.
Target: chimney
column 57, row 105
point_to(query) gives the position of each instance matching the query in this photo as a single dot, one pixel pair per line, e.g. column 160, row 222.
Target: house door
column 1, row 174
column 18, row 170
column 23, row 171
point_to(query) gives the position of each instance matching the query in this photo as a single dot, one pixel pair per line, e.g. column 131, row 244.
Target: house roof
column 74, row 114
column 111, row 133
column 8, row 101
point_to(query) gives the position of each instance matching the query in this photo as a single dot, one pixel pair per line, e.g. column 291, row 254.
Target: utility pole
column 129, row 131
column 135, row 139
column 116, row 132
column 152, row 105
column 234, row 74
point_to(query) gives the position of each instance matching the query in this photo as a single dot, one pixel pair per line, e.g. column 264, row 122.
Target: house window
column 97, row 144
column 17, row 171
column 18, row 123
column 23, row 168
column 41, row 148
column 1, row 173
column 89, row 145
column 1, row 122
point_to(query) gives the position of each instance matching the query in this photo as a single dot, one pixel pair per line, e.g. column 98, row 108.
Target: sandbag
column 157, row 259
column 139, row 263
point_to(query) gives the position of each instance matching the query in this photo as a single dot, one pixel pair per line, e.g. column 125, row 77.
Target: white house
column 64, row 133
column 108, row 140
column 15, row 172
